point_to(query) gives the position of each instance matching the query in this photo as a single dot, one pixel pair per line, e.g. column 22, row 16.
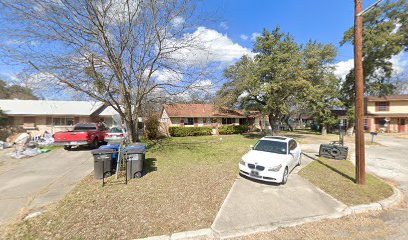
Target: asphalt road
column 31, row 183
column 390, row 161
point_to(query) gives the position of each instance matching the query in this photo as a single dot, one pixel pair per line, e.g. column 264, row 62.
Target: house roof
column 61, row 108
column 200, row 110
column 389, row 97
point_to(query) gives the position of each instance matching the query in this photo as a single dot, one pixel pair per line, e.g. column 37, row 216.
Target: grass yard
column 187, row 183
column 336, row 177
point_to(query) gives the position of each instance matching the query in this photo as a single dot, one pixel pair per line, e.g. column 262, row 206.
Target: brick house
column 198, row 115
column 387, row 114
column 37, row 116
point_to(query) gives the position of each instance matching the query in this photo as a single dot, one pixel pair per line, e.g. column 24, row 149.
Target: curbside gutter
column 209, row 233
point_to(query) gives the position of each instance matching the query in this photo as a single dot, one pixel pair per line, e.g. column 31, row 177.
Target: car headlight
column 275, row 169
column 242, row 162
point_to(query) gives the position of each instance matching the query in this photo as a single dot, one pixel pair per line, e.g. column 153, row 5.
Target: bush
column 224, row 130
column 189, row 131
column 152, row 127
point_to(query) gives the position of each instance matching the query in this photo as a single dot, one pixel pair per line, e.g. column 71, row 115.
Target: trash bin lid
column 135, row 149
column 102, row 151
column 113, row 147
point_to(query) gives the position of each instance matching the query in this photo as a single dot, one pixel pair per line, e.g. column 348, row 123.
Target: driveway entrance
column 32, row 183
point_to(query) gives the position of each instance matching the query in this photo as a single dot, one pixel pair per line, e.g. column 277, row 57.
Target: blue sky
column 239, row 20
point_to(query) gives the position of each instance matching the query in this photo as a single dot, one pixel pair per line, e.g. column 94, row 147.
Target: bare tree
column 123, row 53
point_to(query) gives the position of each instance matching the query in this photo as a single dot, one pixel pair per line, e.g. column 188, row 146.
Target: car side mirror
column 251, row 146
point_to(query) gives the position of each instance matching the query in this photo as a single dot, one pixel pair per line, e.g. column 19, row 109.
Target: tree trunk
column 272, row 122
column 286, row 121
column 324, row 130
column 132, row 131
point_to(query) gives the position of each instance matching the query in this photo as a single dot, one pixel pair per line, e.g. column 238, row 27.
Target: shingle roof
column 45, row 107
column 389, row 97
column 200, row 110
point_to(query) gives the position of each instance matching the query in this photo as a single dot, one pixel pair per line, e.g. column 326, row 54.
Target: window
column 63, row 121
column 85, row 127
column 190, row 121
column 292, row 145
column 271, row 146
column 228, row 120
column 243, row 121
column 383, row 106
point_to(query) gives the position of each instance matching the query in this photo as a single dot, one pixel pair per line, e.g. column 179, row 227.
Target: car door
column 292, row 153
column 297, row 152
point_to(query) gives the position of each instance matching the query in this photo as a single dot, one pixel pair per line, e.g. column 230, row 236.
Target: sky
column 240, row 21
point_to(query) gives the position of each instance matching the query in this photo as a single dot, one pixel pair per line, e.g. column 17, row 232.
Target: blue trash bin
column 115, row 148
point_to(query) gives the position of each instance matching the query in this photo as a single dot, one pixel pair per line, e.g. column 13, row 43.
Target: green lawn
column 187, row 183
column 336, row 177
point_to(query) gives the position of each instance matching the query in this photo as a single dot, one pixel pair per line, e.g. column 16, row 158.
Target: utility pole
column 359, row 88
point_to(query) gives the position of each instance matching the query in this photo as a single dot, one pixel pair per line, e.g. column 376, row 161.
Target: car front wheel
column 285, row 176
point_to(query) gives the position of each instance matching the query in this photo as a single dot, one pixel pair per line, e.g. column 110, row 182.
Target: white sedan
column 271, row 159
column 115, row 134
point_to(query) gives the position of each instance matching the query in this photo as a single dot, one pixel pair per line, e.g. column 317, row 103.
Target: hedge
column 189, row 131
column 224, row 130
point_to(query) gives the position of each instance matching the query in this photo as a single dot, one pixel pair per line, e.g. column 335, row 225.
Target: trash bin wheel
column 138, row 174
column 67, row 148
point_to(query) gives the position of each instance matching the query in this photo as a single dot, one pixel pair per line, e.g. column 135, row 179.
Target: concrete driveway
column 31, row 183
column 250, row 205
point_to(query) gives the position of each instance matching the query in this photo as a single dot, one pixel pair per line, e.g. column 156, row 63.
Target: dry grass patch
column 365, row 226
column 336, row 177
column 187, row 183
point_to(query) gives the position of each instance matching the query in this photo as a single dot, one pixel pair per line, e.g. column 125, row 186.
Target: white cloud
column 213, row 47
column 167, row 76
column 399, row 63
column 343, row 68
column 243, row 37
column 224, row 25
column 203, row 85
column 255, row 35
column 177, row 21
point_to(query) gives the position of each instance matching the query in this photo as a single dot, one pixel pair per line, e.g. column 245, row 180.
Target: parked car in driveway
column 90, row 134
column 271, row 159
column 115, row 134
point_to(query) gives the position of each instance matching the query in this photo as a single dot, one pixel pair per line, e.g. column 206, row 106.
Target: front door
column 401, row 125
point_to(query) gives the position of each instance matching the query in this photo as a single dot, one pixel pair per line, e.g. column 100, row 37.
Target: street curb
column 209, row 233
column 205, row 233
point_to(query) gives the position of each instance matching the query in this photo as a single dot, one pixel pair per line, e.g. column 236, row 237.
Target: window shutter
column 387, row 106
column 377, row 106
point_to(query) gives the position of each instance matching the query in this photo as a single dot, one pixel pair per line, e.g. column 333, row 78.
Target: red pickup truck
column 90, row 134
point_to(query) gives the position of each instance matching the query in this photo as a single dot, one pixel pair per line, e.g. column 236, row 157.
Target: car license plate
column 73, row 143
column 254, row 173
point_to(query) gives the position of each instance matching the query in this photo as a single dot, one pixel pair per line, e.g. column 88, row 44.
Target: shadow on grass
column 149, row 165
column 253, row 135
column 336, row 170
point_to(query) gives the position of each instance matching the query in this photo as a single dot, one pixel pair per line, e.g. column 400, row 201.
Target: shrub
column 152, row 127
column 189, row 131
column 224, row 130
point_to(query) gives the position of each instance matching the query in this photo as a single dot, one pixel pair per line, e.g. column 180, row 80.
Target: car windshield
column 115, row 130
column 84, row 127
column 271, row 146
